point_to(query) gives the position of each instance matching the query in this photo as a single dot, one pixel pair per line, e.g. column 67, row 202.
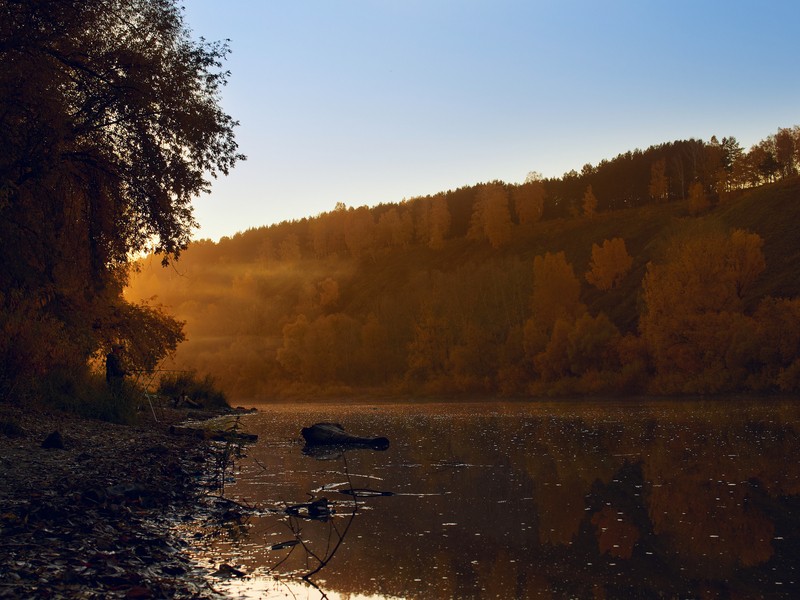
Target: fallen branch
column 215, row 435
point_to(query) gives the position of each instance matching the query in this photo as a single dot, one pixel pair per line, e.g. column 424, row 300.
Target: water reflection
column 524, row 501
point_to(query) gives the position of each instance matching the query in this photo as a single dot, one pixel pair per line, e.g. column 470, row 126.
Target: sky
column 376, row 101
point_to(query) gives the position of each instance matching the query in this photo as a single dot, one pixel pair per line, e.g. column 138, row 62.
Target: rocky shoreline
column 94, row 515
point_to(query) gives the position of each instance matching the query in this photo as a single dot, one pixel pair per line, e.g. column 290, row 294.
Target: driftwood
column 215, row 435
column 318, row 509
column 333, row 434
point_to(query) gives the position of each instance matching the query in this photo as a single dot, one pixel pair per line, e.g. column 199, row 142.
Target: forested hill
column 675, row 276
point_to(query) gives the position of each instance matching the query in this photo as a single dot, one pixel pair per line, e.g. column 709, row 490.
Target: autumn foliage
column 610, row 263
column 457, row 293
column 110, row 126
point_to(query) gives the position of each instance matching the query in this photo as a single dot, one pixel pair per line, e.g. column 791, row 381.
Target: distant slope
column 266, row 321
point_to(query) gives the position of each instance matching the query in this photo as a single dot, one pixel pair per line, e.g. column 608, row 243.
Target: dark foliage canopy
column 110, row 125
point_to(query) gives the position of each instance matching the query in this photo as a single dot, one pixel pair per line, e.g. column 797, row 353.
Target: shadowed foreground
column 93, row 516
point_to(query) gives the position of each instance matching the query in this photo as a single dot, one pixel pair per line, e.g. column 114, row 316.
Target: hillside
column 267, row 318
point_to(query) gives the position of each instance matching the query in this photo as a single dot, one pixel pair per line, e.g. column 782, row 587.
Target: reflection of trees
column 582, row 506
column 669, row 500
column 704, row 494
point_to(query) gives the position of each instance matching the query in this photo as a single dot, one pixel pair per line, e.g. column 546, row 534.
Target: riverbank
column 93, row 516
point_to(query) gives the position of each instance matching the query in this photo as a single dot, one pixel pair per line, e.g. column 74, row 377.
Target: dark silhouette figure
column 115, row 372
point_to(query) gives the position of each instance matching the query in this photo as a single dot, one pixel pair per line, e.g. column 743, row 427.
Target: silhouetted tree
column 110, row 126
column 589, row 202
column 786, row 151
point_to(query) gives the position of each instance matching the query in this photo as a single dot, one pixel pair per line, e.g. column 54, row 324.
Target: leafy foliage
column 610, row 263
column 694, row 309
column 110, row 126
column 202, row 391
column 464, row 315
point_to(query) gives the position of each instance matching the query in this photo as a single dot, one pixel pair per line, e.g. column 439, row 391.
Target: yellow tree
column 778, row 322
column 322, row 350
column 694, row 309
column 610, row 263
column 376, row 359
column 359, row 235
column 577, row 346
column 698, row 201
column 395, row 227
column 659, row 184
column 528, row 201
column 328, row 290
column 388, row 227
column 438, row 222
column 491, row 218
column 292, row 354
column 589, row 202
column 427, row 352
column 289, row 248
column 556, row 295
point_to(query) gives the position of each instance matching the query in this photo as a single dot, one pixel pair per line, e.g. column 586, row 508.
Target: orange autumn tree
column 610, row 263
column 111, row 125
column 777, row 345
column 321, row 351
column 694, row 311
column 438, row 222
column 491, row 217
column 698, row 200
column 555, row 298
column 528, row 200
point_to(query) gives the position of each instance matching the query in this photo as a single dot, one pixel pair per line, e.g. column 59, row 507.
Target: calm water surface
column 522, row 500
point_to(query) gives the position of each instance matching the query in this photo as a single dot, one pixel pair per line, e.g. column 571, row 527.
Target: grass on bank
column 202, row 392
column 88, row 395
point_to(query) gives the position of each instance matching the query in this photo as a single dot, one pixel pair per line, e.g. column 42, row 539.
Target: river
column 569, row 499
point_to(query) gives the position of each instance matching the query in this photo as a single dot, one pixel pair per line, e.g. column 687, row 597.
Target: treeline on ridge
column 669, row 270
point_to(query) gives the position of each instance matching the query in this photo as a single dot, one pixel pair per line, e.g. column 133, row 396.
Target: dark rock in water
column 322, row 434
column 54, row 440
column 226, row 570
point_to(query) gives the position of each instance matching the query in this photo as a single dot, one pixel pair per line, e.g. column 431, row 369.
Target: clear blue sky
column 373, row 101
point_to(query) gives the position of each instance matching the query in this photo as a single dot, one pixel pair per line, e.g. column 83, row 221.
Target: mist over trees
column 659, row 271
column 110, row 126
